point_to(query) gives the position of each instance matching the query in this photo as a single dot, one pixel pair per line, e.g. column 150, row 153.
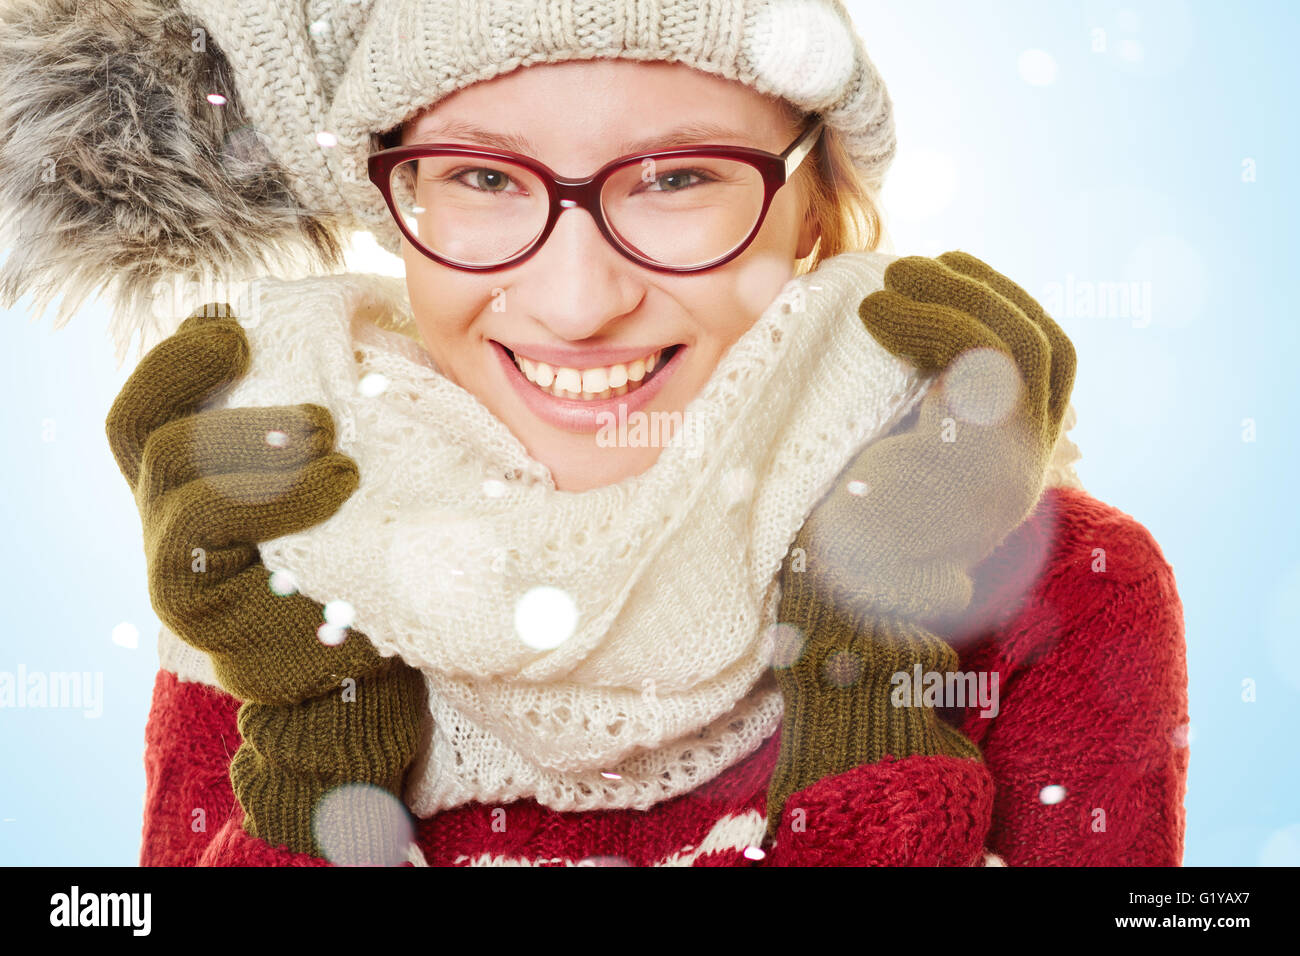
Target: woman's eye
column 482, row 179
column 677, row 180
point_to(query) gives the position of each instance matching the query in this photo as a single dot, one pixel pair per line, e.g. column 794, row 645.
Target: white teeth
column 588, row 384
column 568, row 380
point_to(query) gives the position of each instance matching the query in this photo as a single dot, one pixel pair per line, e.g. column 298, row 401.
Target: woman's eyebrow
column 687, row 135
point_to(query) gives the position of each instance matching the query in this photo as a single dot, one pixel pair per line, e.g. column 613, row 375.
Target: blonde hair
column 845, row 207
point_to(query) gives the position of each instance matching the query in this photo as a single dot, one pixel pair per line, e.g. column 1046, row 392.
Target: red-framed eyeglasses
column 677, row 210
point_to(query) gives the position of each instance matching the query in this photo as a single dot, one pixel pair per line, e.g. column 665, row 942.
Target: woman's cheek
column 758, row 282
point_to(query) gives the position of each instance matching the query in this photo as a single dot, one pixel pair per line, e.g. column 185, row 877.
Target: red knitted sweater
column 1085, row 760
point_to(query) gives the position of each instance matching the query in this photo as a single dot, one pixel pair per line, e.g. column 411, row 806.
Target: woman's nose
column 576, row 283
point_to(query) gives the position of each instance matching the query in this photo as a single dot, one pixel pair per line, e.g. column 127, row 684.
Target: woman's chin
column 596, row 467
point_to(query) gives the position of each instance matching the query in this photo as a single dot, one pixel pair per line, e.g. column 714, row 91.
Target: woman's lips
column 580, row 415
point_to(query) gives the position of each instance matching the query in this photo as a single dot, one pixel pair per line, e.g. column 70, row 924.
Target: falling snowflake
column 783, row 644
column 801, row 49
column 1051, row 794
column 372, row 384
column 982, row 385
column 283, row 583
column 545, row 617
column 340, row 613
column 357, row 824
column 842, row 669
column 126, row 635
column 245, row 152
column 331, row 635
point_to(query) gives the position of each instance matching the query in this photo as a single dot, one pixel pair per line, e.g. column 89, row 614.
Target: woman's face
column 576, row 302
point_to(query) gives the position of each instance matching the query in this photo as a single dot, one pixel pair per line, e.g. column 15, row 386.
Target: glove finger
column 211, row 524
column 1062, row 349
column 929, row 280
column 216, row 511
column 199, row 360
column 225, row 440
column 923, row 501
column 929, row 335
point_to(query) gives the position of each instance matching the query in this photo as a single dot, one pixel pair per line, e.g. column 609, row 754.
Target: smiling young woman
column 579, row 311
column 485, row 634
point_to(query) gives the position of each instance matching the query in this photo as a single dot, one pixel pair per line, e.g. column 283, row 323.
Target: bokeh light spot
column 358, row 824
column 1052, row 794
column 545, row 617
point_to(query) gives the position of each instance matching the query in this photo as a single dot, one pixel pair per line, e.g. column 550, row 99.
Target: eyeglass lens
column 676, row 212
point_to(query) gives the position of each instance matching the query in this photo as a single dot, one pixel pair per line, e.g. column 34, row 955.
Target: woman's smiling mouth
column 576, row 397
column 595, row 382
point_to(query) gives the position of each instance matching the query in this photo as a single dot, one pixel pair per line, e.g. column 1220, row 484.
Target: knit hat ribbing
column 154, row 183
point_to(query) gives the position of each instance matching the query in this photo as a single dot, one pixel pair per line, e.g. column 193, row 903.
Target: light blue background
column 1109, row 156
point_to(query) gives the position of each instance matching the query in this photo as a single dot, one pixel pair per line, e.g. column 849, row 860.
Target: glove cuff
column 293, row 755
column 842, row 708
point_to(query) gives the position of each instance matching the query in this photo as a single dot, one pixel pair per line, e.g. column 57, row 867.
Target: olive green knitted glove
column 209, row 485
column 892, row 546
column 324, row 776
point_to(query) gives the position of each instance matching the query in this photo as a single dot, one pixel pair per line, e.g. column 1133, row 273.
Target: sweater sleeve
column 190, row 737
column 191, row 816
column 1085, row 759
column 921, row 810
column 1089, row 748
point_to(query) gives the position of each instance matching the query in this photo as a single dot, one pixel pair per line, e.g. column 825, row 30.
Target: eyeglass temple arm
column 802, row 147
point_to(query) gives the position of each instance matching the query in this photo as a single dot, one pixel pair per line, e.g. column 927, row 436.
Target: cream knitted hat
column 323, row 79
column 196, row 138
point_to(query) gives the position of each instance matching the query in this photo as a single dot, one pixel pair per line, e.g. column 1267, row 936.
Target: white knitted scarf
column 601, row 649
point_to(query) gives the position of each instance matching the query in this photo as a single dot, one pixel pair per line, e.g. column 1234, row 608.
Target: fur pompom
column 127, row 164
